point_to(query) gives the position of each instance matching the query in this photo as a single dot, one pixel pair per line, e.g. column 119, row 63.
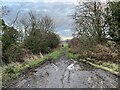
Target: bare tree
column 47, row 24
column 89, row 20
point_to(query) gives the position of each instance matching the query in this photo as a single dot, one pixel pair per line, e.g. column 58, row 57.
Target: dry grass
column 98, row 52
column 101, row 52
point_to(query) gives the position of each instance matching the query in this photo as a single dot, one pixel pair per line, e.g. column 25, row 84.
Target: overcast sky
column 59, row 10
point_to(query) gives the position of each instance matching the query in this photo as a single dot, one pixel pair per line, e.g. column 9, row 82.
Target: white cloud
column 67, row 30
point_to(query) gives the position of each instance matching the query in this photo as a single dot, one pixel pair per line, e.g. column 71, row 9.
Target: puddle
column 74, row 65
column 71, row 67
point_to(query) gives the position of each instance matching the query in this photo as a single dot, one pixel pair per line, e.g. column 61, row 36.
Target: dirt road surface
column 65, row 73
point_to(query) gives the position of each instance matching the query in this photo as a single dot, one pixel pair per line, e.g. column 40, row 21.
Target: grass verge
column 108, row 66
column 70, row 54
column 12, row 72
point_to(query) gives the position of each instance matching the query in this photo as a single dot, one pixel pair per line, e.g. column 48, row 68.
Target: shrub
column 41, row 41
column 94, row 50
column 15, row 54
column 101, row 52
column 74, row 45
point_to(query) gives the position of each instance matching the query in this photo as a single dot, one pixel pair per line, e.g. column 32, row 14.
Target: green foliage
column 9, row 72
column 71, row 55
column 9, row 38
column 15, row 54
column 55, row 55
column 53, row 40
column 39, row 37
column 41, row 41
column 66, row 46
column 113, row 20
column 33, row 41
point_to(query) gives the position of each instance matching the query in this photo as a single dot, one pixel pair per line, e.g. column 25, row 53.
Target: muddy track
column 58, row 75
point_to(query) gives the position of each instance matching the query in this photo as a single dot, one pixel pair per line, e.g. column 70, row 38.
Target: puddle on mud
column 71, row 67
column 78, row 66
